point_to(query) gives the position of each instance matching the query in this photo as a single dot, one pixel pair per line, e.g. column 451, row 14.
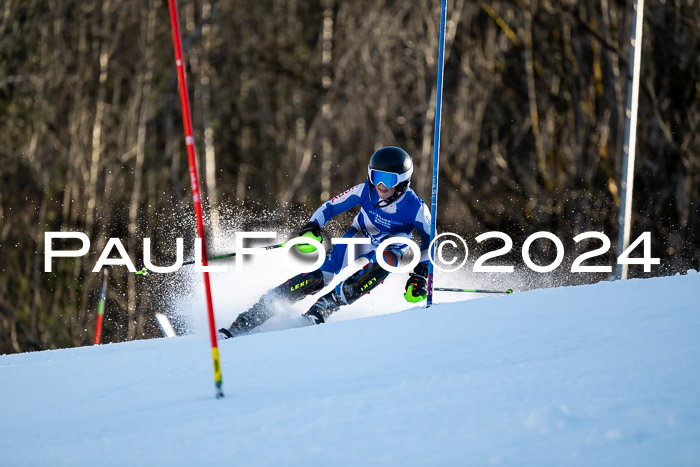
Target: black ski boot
column 357, row 285
column 249, row 320
column 290, row 291
column 323, row 308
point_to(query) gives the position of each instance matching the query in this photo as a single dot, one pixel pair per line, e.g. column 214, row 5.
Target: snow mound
column 604, row 374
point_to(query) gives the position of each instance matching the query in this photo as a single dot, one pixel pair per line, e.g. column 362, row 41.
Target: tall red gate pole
column 101, row 307
column 194, row 181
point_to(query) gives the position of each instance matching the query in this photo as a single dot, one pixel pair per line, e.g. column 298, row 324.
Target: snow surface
column 604, row 374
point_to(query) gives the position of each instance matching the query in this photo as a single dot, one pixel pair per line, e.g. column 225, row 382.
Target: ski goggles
column 388, row 179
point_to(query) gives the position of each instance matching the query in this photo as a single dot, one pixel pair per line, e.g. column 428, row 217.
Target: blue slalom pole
column 436, row 147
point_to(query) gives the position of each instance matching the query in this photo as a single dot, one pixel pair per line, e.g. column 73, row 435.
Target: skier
column 388, row 208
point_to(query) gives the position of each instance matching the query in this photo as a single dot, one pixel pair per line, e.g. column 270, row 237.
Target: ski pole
column 145, row 271
column 231, row 255
column 448, row 289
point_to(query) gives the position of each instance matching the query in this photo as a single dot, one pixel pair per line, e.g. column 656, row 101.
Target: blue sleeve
column 341, row 203
column 422, row 225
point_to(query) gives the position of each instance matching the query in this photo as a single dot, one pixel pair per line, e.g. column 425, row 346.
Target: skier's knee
column 390, row 258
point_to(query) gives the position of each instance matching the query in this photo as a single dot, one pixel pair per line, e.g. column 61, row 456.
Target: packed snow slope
column 604, row 374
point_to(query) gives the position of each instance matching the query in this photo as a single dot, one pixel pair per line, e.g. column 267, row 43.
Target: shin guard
column 290, row 291
column 362, row 282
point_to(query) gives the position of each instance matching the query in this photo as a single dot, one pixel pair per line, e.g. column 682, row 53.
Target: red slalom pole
column 194, row 182
column 101, row 308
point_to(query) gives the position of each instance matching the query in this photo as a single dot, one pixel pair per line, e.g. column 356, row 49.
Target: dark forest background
column 289, row 100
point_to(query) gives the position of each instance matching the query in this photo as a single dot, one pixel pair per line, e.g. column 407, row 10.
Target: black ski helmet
column 391, row 166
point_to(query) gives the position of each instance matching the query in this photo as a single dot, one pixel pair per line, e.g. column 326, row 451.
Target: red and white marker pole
column 194, row 181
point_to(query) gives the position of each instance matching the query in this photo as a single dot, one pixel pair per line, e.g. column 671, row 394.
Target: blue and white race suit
column 398, row 219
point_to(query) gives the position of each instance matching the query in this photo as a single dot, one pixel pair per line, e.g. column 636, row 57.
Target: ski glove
column 417, row 285
column 310, row 230
column 312, row 227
